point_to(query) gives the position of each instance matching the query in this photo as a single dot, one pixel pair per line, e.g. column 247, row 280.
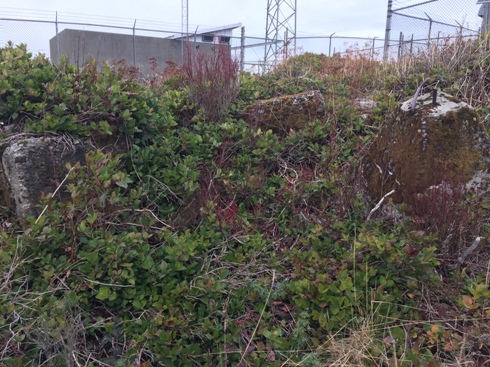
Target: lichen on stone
column 445, row 142
column 285, row 113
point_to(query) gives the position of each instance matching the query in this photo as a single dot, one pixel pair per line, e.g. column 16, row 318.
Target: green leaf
column 91, row 218
column 105, row 127
column 113, row 296
column 60, row 109
column 123, row 183
column 104, row 293
column 82, row 227
column 106, row 69
column 93, row 257
column 147, row 263
column 71, row 299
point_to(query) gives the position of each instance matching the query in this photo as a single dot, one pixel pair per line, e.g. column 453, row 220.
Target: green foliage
column 274, row 84
column 49, row 98
column 22, row 82
column 340, row 281
column 209, row 242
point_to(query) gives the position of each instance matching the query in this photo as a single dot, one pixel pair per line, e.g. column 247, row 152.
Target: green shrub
column 211, row 243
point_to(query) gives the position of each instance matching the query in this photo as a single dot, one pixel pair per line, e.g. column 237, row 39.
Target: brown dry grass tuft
column 353, row 350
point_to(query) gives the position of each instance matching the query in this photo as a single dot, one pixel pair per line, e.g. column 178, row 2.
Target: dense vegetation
column 211, row 243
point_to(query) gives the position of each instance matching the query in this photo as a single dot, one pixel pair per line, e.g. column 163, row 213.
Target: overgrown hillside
column 211, row 242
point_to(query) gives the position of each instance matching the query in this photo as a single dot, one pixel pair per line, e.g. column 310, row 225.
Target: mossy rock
column 285, row 113
column 414, row 150
column 33, row 166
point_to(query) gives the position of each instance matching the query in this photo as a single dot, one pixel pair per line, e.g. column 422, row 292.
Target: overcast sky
column 354, row 18
column 314, row 17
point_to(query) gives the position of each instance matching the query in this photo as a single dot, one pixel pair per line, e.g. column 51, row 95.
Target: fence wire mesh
column 415, row 25
column 36, row 28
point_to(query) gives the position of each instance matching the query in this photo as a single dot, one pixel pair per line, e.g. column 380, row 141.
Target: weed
column 212, row 79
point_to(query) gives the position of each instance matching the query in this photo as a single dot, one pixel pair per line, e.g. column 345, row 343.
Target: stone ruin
column 431, row 140
column 424, row 144
column 285, row 113
column 35, row 166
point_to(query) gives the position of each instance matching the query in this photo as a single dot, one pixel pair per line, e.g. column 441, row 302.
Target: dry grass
column 212, row 78
column 458, row 65
column 352, row 351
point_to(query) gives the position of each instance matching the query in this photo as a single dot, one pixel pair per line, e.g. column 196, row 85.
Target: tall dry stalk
column 212, row 78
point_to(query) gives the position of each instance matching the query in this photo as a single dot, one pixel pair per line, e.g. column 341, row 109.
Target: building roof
column 208, row 30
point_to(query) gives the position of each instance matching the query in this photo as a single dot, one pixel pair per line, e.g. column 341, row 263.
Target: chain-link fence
column 37, row 28
column 45, row 31
column 415, row 25
column 412, row 25
column 330, row 45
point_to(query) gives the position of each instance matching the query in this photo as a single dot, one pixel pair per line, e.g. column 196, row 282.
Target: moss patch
column 281, row 114
column 413, row 152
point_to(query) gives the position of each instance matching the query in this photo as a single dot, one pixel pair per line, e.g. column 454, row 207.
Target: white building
column 221, row 34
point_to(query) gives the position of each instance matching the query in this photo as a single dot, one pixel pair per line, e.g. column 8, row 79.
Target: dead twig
column 466, row 253
column 55, row 191
column 379, row 204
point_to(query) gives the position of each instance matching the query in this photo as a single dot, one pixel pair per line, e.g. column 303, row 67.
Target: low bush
column 212, row 243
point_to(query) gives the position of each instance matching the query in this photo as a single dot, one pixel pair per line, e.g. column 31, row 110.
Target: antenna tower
column 184, row 27
column 280, row 27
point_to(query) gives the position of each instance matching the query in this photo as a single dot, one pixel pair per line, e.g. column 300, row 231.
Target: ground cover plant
column 208, row 242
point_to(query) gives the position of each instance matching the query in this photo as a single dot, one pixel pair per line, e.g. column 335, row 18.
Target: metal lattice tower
column 280, row 28
column 185, row 18
column 184, row 27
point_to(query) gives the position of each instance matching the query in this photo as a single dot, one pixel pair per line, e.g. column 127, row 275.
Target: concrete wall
column 79, row 45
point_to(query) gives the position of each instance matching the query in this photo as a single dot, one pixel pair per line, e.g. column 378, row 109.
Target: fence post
column 134, row 43
column 430, row 31
column 330, row 44
column 389, row 15
column 57, row 38
column 372, row 51
column 486, row 19
column 242, row 49
column 411, row 45
column 400, row 45
column 285, row 52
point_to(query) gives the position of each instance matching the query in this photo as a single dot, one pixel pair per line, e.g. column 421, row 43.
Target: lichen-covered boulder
column 35, row 166
column 286, row 113
column 425, row 144
column 364, row 107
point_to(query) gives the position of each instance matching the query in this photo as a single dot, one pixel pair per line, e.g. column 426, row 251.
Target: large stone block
column 426, row 144
column 35, row 166
column 286, row 113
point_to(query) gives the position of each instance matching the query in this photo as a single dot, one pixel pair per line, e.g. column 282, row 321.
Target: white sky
column 348, row 18
column 362, row 18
